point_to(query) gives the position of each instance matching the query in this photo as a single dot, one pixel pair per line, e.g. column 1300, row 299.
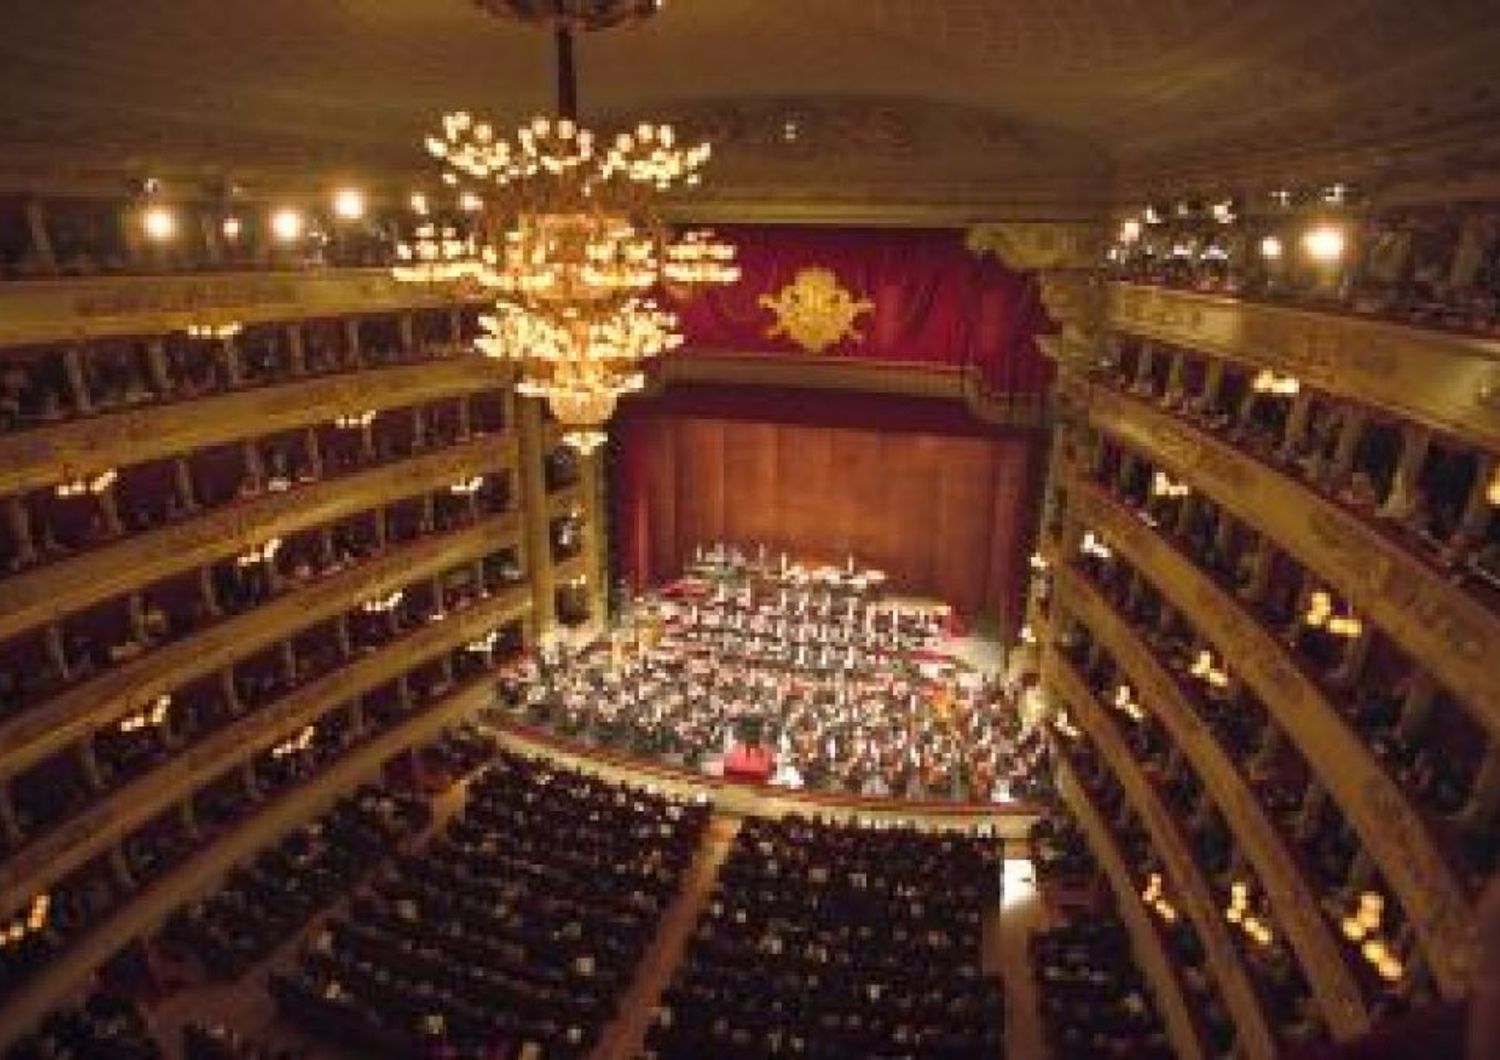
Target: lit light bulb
column 1324, row 244
column 287, row 224
column 232, row 227
column 349, row 204
column 159, row 223
column 1270, row 248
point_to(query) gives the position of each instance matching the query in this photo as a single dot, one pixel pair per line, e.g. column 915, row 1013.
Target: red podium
column 747, row 763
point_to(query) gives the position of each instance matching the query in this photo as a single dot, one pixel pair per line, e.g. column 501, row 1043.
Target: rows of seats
column 1060, row 851
column 825, row 940
column 215, row 1041
column 263, row 903
column 498, row 935
column 1419, row 264
column 1093, row 1001
column 1123, row 1025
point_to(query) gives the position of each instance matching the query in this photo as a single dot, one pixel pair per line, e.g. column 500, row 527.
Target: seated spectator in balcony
column 1378, row 708
column 1360, row 492
column 12, row 394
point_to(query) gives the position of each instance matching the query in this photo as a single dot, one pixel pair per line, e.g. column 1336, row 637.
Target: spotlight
column 1130, row 231
column 349, row 204
column 232, row 227
column 160, row 223
column 1270, row 248
column 287, row 225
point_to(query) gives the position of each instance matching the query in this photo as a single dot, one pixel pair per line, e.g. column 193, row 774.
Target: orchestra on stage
column 804, row 677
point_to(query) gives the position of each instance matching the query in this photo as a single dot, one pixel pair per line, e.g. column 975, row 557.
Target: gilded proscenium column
column 538, row 559
column 1066, row 258
column 595, row 551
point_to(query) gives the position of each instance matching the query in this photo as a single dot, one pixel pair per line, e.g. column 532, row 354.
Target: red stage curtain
column 935, row 302
column 946, row 508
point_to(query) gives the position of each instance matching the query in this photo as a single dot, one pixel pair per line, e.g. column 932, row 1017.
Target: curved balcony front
column 1293, row 901
column 1389, row 825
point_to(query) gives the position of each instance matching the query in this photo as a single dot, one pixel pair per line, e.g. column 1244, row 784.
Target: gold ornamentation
column 1049, row 245
column 815, row 311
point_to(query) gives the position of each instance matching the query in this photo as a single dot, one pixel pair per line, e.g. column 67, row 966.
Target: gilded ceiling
column 827, row 100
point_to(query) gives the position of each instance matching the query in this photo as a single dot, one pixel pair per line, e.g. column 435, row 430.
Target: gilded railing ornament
column 815, row 311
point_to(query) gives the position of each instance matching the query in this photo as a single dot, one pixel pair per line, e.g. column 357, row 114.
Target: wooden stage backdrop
column 948, row 514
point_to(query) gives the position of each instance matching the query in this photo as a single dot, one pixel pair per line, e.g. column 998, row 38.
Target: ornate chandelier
column 567, row 236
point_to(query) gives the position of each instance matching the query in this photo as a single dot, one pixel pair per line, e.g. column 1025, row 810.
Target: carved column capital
column 1065, row 256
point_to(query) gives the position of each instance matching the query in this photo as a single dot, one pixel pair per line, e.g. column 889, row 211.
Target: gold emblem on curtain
column 815, row 311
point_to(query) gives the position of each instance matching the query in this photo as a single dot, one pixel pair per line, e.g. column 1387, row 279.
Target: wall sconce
column 1155, row 899
column 1268, row 382
column 353, row 420
column 1240, row 914
column 1206, row 671
column 1125, row 702
column 301, row 742
column 484, row 644
column 159, row 223
column 1323, row 614
column 379, row 605
column 79, row 486
column 214, row 331
column 141, row 719
column 1093, row 545
column 1163, row 486
column 261, row 554
column 1362, row 928
column 34, row 920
